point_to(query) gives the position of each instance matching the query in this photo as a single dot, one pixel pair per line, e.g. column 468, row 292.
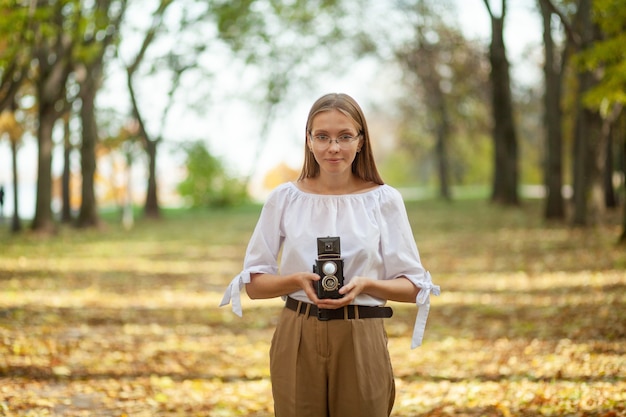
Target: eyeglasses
column 324, row 141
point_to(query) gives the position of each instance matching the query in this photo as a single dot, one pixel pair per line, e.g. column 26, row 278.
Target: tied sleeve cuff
column 423, row 307
column 233, row 292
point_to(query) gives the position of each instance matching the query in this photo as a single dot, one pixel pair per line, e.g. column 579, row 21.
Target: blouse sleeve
column 261, row 254
column 401, row 259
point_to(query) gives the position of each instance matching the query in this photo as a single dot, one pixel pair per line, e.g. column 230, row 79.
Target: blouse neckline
column 294, row 186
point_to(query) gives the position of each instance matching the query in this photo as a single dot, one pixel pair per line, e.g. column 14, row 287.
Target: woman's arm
column 399, row 289
column 270, row 286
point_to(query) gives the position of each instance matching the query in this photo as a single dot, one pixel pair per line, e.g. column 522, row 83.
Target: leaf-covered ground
column 531, row 320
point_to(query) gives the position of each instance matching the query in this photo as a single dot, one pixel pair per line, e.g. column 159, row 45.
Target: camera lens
column 329, row 268
column 330, row 283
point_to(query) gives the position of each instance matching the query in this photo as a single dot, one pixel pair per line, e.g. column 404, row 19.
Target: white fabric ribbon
column 233, row 292
column 423, row 307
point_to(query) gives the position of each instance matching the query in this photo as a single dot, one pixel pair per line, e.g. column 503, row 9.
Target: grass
column 125, row 323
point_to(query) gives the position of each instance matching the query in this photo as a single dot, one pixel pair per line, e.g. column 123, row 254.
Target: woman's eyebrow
column 346, row 130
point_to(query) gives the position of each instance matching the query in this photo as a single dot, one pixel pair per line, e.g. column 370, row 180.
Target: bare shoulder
column 306, row 185
column 364, row 186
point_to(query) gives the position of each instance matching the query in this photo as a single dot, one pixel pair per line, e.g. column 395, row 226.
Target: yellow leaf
column 161, row 398
column 61, row 371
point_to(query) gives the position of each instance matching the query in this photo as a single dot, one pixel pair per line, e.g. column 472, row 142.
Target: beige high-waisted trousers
column 335, row 368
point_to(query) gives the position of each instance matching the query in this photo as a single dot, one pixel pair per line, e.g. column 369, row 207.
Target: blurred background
column 137, row 139
column 148, row 104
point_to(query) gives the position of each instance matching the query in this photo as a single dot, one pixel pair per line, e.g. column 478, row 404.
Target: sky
column 232, row 129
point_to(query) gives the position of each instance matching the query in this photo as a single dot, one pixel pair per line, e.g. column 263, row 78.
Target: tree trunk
column 610, row 199
column 553, row 165
column 127, row 205
column 90, row 82
column 66, row 210
column 597, row 146
column 611, row 133
column 151, row 209
column 442, row 158
column 16, row 224
column 588, row 141
column 43, row 220
column 622, row 239
column 88, row 215
column 505, row 175
column 54, row 65
column 587, row 194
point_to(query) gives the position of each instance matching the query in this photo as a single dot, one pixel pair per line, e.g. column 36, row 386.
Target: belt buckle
column 322, row 314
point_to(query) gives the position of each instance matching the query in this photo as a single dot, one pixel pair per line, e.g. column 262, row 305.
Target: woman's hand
column 399, row 289
column 356, row 286
column 307, row 283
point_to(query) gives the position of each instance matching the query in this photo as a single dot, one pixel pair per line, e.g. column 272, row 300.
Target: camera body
column 329, row 266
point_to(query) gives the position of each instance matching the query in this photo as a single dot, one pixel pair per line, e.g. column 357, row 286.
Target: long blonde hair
column 363, row 166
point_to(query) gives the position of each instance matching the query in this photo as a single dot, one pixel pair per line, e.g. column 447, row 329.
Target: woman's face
column 334, row 158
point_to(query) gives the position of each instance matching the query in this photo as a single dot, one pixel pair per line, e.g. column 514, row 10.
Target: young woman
column 329, row 356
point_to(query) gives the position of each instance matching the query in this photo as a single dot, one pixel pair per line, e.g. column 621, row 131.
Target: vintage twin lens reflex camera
column 329, row 266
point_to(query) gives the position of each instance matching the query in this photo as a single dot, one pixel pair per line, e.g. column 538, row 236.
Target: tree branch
column 569, row 30
column 157, row 20
column 488, row 8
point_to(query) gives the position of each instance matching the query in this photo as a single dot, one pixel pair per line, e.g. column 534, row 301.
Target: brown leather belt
column 347, row 312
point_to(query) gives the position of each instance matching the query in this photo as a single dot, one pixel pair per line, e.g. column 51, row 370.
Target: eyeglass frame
column 342, row 145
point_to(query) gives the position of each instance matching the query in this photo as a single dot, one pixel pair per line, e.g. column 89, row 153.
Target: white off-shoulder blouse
column 376, row 242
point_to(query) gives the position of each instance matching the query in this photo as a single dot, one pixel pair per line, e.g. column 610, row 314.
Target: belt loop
column 299, row 308
column 356, row 312
column 308, row 310
column 346, row 313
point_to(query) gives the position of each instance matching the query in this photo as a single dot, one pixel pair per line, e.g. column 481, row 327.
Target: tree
column 553, row 164
column 588, row 187
column 150, row 143
column 445, row 72
column 619, row 132
column 66, row 209
column 423, row 60
column 104, row 21
column 505, row 175
column 589, row 149
column 608, row 95
column 16, row 40
column 61, row 35
column 52, row 55
column 13, row 129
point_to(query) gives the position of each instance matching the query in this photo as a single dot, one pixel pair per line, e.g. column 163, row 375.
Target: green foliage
column 607, row 56
column 251, row 24
column 235, row 19
column 470, row 160
column 208, row 183
column 397, row 169
column 16, row 38
column 610, row 15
